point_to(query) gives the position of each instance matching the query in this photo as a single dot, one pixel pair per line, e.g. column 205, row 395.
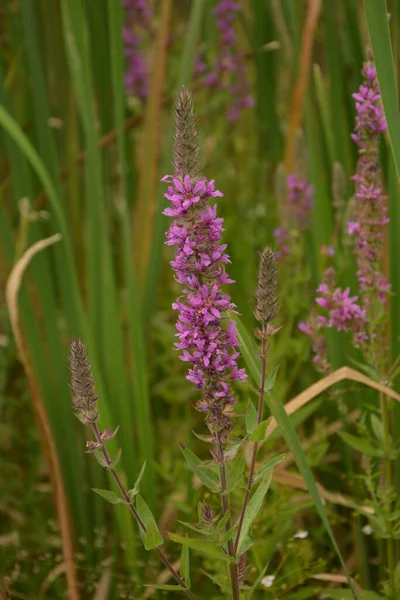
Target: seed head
column 82, row 384
column 186, row 149
column 267, row 303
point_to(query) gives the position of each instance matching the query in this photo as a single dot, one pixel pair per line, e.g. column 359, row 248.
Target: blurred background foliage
column 81, row 157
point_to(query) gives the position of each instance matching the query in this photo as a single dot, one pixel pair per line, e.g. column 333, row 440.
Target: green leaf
column 109, row 496
column 116, row 460
column 228, row 535
column 257, row 582
column 136, row 488
column 204, row 531
column 269, row 465
column 100, row 458
column 378, row 26
column 247, row 543
column 185, row 565
column 191, row 41
column 361, row 445
column 235, row 470
column 271, row 378
column 377, row 428
column 207, row 475
column 260, row 430
column 152, row 538
column 165, row 586
column 251, row 417
column 253, row 507
column 201, row 546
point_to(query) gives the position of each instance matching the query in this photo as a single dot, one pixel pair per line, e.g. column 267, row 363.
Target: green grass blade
column 378, row 27
column 191, row 41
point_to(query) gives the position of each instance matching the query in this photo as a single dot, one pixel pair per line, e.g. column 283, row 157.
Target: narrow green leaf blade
column 206, row 475
column 251, row 417
column 108, row 495
column 152, row 538
column 257, row 582
column 201, row 546
column 269, row 465
column 360, row 445
column 185, row 565
column 378, row 27
column 252, row 509
column 136, row 488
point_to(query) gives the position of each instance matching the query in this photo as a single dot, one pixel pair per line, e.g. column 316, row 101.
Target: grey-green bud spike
column 186, row 149
column 267, row 302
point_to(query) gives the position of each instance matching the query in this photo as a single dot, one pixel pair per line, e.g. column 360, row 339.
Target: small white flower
column 301, row 535
column 367, row 529
column 268, row 581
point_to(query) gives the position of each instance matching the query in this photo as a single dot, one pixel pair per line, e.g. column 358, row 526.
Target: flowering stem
column 134, row 512
column 390, row 545
column 226, row 510
column 261, row 394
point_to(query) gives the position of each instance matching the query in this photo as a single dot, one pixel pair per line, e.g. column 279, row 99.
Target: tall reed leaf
column 378, row 27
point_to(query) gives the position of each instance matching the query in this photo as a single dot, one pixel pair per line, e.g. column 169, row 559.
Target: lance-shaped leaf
column 269, row 465
column 201, row 546
column 207, row 475
column 251, row 417
column 253, row 508
column 185, row 565
column 108, row 495
column 361, row 445
column 152, row 537
column 136, row 488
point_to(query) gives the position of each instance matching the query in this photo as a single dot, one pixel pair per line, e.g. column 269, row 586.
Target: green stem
column 233, row 571
column 261, row 393
column 136, row 515
column 388, row 483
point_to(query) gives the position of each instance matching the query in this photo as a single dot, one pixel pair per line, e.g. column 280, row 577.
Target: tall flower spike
column 199, row 265
column 82, row 384
column 186, row 148
column 267, row 302
column 368, row 226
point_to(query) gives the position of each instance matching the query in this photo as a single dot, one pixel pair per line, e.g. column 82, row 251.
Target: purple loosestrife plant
column 230, row 71
column 85, row 407
column 199, row 265
column 137, row 24
column 360, row 314
column 207, row 339
column 370, row 207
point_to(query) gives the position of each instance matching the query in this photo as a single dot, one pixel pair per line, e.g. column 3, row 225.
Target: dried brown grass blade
column 50, row 578
column 104, row 585
column 326, row 382
column 336, row 578
column 296, row 111
column 12, row 289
